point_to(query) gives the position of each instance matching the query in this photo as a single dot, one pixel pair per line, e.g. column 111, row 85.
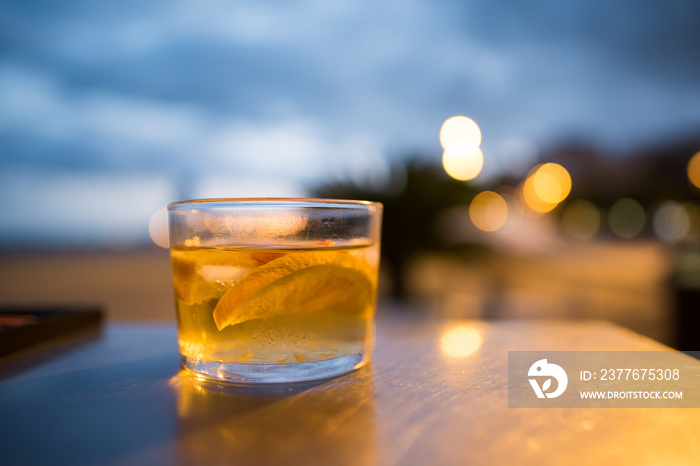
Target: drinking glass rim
column 296, row 202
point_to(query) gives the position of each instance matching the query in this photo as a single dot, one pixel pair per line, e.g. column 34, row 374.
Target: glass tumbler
column 274, row 290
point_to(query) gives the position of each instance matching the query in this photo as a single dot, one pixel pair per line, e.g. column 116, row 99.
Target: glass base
column 274, row 373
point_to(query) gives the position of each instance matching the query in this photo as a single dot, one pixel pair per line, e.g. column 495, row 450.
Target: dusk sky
column 109, row 111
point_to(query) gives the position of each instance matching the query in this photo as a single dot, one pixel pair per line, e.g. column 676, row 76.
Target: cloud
column 214, row 156
column 79, row 208
column 235, row 186
column 288, row 95
column 126, row 131
column 38, row 105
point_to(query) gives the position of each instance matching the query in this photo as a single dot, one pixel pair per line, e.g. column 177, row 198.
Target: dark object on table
column 686, row 287
column 23, row 326
column 687, row 318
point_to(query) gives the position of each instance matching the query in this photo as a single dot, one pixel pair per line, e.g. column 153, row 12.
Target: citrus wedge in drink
column 299, row 283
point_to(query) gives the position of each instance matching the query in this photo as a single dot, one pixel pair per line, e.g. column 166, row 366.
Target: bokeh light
column 581, row 219
column 531, row 199
column 671, row 221
column 461, row 341
column 461, row 166
column 488, row 211
column 694, row 170
column 551, row 183
column 158, row 228
column 460, row 129
column 545, row 187
column 626, row 218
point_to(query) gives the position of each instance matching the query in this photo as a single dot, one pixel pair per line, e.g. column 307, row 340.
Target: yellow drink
column 271, row 305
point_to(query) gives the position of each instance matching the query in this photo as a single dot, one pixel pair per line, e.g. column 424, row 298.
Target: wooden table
column 118, row 397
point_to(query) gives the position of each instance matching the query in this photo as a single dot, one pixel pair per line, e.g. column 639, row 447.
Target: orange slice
column 298, row 283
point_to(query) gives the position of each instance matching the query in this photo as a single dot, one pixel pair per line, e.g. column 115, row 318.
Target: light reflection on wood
column 329, row 422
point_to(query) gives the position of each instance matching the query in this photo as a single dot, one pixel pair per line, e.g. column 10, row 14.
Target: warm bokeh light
column 545, row 187
column 581, row 219
column 462, row 166
column 671, row 221
column 158, row 228
column 488, row 211
column 694, row 170
column 461, row 342
column 460, row 128
column 551, row 183
column 532, row 200
column 626, row 218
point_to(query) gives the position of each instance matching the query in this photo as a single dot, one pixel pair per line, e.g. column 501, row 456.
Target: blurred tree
column 413, row 197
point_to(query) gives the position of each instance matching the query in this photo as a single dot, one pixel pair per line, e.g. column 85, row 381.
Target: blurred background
column 570, row 192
